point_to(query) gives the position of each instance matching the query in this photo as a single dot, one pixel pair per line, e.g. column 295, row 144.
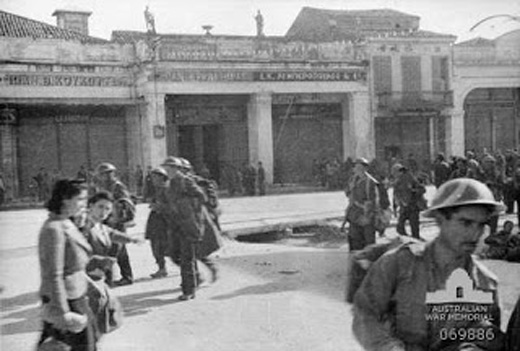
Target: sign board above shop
column 345, row 75
column 260, row 50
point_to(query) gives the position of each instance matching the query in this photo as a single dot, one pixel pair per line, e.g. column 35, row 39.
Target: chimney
column 76, row 21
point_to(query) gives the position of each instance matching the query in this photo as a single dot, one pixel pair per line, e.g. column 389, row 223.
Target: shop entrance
column 200, row 145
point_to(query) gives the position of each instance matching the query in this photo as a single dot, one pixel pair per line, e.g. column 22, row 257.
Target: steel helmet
column 186, row 164
column 172, row 161
column 160, row 170
column 461, row 192
column 105, row 167
column 363, row 161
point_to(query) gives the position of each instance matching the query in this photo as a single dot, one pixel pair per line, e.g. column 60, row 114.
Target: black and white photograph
column 260, row 175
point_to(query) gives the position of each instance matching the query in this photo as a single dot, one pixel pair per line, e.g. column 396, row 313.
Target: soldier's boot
column 161, row 273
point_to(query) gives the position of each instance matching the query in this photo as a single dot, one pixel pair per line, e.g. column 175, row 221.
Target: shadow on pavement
column 141, row 303
column 28, row 321
column 322, row 272
column 15, row 302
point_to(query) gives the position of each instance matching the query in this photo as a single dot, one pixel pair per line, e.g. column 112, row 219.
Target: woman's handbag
column 105, row 306
column 51, row 344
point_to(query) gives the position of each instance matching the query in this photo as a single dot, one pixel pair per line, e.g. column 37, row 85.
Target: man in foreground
column 393, row 308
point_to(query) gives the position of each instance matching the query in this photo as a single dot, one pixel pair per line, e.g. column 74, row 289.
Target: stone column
column 349, row 145
column 455, row 133
column 361, row 127
column 9, row 153
column 154, row 130
column 134, row 126
column 260, row 132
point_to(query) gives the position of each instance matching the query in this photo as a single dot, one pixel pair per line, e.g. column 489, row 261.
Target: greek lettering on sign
column 63, row 80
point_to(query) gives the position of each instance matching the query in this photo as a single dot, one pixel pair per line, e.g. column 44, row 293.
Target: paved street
column 284, row 295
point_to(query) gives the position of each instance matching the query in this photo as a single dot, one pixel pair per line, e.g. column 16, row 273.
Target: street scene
column 261, row 175
column 282, row 292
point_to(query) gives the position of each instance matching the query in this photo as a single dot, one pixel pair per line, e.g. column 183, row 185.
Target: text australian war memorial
column 338, row 84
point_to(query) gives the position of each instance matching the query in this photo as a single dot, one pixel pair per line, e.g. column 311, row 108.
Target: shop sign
column 261, row 76
column 304, row 76
column 62, row 80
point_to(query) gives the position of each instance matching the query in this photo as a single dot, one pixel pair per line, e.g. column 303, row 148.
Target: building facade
column 487, row 94
column 339, row 84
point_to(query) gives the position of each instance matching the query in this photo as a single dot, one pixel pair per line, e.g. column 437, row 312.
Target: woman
column 64, row 254
column 101, row 237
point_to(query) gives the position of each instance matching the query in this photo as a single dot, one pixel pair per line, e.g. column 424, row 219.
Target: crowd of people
column 85, row 236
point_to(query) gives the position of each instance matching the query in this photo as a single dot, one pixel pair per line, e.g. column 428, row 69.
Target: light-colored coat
column 64, row 254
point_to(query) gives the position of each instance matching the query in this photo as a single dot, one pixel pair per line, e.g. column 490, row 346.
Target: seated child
column 513, row 248
column 497, row 243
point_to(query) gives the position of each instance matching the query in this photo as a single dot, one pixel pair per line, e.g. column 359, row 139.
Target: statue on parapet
column 150, row 21
column 259, row 24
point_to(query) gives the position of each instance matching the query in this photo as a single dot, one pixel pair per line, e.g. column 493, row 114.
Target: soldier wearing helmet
column 157, row 228
column 392, row 310
column 185, row 208
column 122, row 216
column 360, row 213
column 493, row 177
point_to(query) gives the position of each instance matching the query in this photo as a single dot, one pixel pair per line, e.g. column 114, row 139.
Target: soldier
column 211, row 240
column 157, row 228
column 494, row 179
column 390, row 306
column 185, row 202
column 360, row 212
column 441, row 170
column 121, row 218
column 408, row 193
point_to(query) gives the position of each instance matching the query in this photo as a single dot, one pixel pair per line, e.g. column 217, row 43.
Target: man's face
column 172, row 171
column 359, row 168
column 158, row 179
column 107, row 176
column 463, row 230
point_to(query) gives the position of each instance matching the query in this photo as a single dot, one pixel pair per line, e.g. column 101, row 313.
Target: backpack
column 360, row 262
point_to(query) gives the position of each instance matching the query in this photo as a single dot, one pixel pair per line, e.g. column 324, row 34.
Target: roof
column 361, row 13
column 313, row 24
column 15, row 26
column 476, row 42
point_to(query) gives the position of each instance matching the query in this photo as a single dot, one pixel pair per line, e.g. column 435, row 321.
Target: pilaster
column 154, row 130
column 8, row 152
column 260, row 132
column 361, row 126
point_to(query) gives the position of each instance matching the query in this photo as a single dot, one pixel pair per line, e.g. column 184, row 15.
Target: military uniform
column 408, row 194
column 158, row 231
column 186, row 200
column 361, row 211
column 390, row 306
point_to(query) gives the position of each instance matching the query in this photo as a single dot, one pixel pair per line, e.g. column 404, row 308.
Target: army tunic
column 390, row 306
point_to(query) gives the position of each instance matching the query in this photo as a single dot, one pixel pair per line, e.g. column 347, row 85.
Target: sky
column 236, row 17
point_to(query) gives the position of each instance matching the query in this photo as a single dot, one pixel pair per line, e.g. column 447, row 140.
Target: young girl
column 103, row 238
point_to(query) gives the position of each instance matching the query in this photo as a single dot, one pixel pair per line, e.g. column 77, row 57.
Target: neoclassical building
column 339, row 84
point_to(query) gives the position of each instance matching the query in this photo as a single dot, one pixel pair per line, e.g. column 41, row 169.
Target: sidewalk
column 240, row 216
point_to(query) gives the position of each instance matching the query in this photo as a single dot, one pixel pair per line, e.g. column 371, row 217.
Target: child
column 497, row 243
column 103, row 238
